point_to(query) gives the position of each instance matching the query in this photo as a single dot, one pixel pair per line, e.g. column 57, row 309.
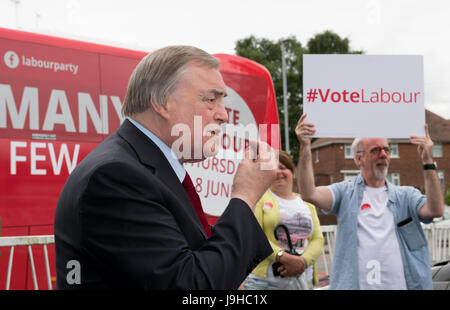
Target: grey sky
column 395, row 27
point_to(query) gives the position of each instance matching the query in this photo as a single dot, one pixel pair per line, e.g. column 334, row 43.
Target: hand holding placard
column 304, row 129
column 424, row 146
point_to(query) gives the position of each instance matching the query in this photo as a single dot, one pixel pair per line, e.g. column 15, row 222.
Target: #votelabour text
column 381, row 96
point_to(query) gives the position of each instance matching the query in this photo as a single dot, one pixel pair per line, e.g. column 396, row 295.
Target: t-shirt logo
column 365, row 207
column 268, row 206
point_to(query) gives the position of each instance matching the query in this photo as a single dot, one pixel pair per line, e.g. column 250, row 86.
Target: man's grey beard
column 380, row 175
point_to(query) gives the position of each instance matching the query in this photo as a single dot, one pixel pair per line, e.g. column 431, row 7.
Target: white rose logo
column 11, row 59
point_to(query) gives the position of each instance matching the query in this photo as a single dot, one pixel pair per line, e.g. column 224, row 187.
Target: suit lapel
column 149, row 154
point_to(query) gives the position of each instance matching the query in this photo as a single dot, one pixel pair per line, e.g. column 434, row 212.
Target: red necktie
column 195, row 200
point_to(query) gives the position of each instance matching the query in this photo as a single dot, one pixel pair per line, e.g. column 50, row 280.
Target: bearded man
column 380, row 243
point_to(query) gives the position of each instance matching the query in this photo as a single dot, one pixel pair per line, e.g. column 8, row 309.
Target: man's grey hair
column 357, row 147
column 158, row 74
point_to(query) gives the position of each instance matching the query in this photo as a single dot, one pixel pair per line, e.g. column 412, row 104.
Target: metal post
column 16, row 2
column 285, row 105
column 8, row 276
column 33, row 269
column 47, row 267
column 38, row 17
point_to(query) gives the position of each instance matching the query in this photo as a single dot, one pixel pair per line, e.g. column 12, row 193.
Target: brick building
column 333, row 161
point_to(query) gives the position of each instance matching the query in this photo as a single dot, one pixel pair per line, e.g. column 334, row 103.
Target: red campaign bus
column 60, row 98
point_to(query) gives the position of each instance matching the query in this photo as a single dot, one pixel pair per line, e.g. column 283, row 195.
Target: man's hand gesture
column 425, row 146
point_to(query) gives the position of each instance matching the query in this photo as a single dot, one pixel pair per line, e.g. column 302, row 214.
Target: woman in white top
column 280, row 205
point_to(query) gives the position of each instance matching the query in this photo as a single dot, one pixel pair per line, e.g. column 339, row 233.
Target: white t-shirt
column 379, row 259
column 296, row 216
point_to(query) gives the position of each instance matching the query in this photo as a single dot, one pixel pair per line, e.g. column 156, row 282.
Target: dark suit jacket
column 124, row 216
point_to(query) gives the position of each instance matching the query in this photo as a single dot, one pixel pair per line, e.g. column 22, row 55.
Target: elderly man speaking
column 129, row 215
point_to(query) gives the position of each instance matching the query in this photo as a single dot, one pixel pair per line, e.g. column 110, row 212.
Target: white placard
column 348, row 96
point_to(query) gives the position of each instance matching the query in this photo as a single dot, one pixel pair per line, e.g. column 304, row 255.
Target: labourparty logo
column 11, row 59
column 268, row 206
column 365, row 207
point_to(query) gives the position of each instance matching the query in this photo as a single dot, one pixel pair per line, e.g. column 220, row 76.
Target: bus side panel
column 30, row 184
column 115, row 72
column 62, row 98
column 52, row 120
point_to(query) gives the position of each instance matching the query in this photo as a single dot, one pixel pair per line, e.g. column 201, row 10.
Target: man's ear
column 160, row 110
column 356, row 159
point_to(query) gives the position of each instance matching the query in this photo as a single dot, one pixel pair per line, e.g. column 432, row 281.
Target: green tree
column 268, row 53
column 329, row 42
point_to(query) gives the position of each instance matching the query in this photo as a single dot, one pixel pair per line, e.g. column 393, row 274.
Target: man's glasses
column 377, row 150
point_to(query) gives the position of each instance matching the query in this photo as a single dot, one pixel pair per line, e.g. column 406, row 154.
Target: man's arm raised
column 320, row 196
column 434, row 207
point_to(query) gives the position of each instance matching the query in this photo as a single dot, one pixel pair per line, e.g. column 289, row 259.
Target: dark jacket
column 125, row 218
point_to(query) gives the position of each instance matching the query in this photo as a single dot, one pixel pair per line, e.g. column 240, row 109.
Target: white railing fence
column 329, row 234
column 438, row 236
column 28, row 241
